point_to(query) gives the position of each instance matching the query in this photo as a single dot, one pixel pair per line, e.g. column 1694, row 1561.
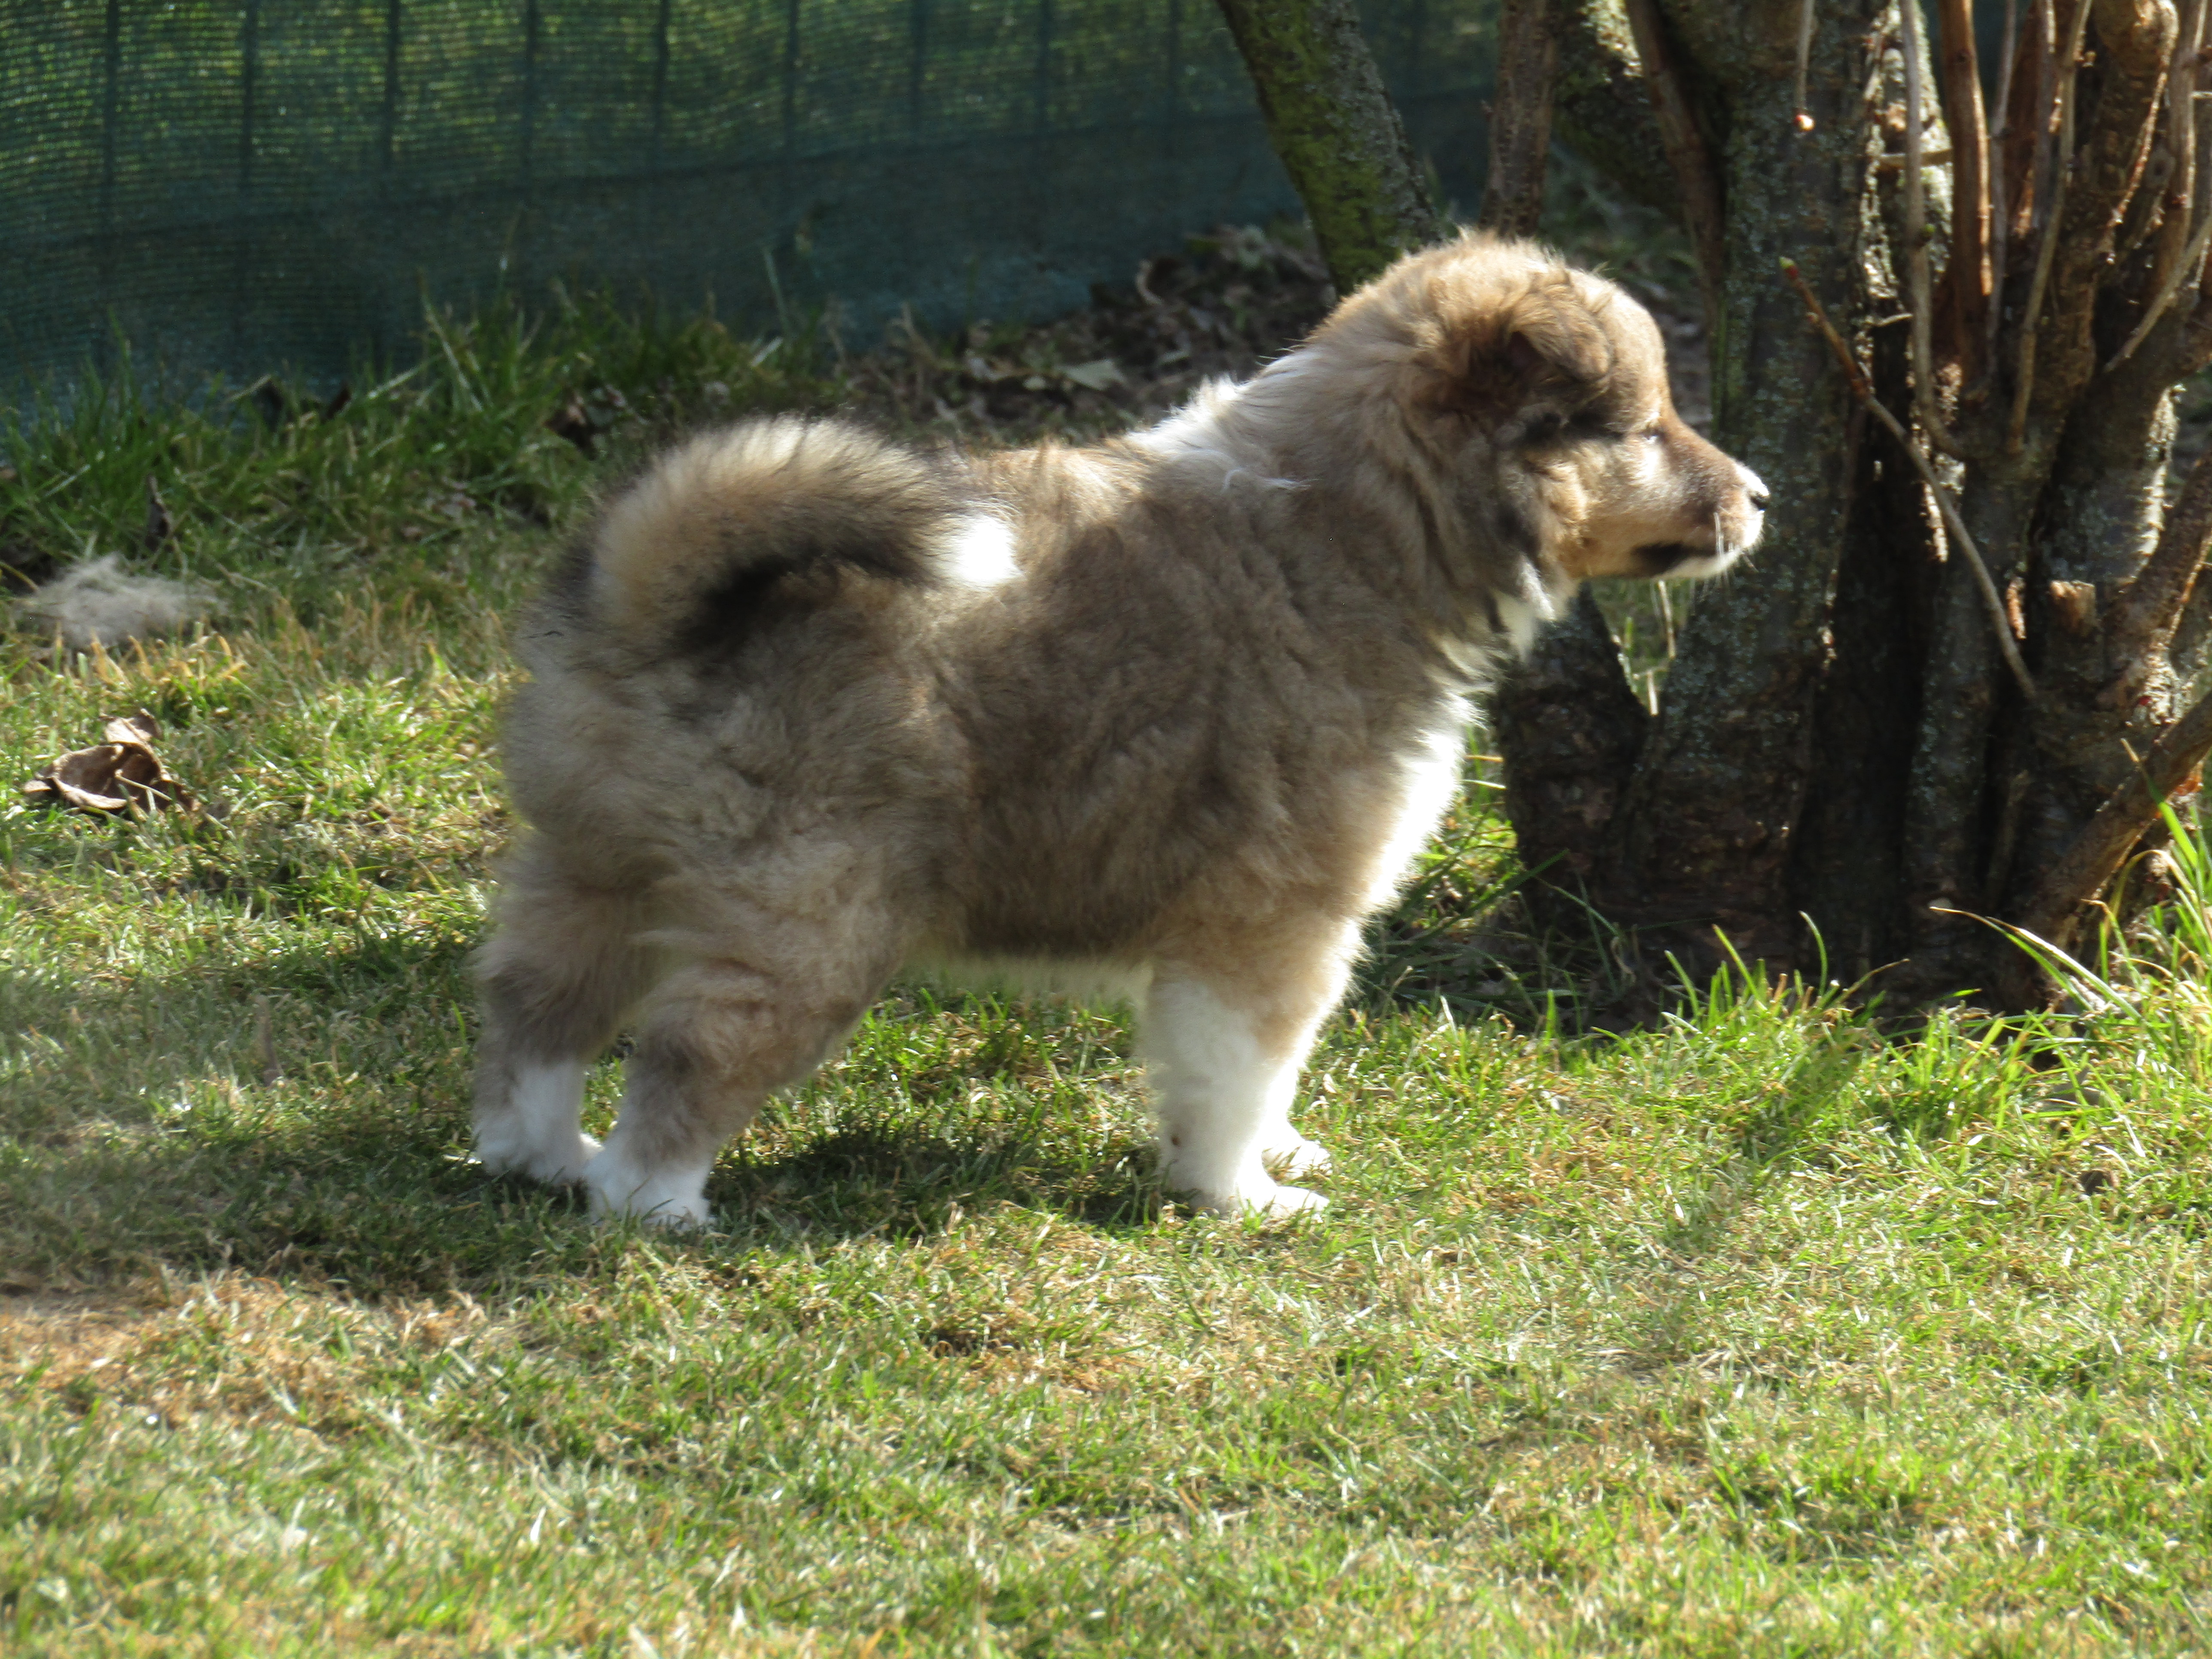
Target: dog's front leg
column 1223, row 1090
column 1283, row 1150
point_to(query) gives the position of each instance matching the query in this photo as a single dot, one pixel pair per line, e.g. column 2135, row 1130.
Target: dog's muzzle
column 1735, row 530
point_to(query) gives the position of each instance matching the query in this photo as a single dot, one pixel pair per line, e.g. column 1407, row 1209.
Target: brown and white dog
column 1170, row 714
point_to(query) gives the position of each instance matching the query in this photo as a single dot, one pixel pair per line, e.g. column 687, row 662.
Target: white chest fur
column 1428, row 781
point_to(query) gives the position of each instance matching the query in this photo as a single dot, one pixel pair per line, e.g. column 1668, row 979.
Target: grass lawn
column 1760, row 1333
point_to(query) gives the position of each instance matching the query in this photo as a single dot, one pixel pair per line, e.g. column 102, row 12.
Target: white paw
column 1295, row 1155
column 1262, row 1197
column 508, row 1149
column 533, row 1132
column 620, row 1191
column 1283, row 1202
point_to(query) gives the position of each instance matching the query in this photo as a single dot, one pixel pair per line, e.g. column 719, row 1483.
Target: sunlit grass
column 1767, row 1331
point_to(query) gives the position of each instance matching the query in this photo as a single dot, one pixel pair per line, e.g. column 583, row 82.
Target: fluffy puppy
column 1170, row 715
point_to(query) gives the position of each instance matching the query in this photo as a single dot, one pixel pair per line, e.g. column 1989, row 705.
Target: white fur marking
column 537, row 1135
column 1290, row 1153
column 979, row 554
column 1524, row 618
column 620, row 1186
column 1204, row 430
column 1705, row 565
column 1429, row 774
column 1223, row 1107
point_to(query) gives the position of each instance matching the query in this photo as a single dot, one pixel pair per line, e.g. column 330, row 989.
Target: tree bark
column 1698, row 179
column 2053, row 911
column 1846, row 875
column 1706, row 835
column 1843, row 736
column 1600, row 107
column 1521, row 117
column 1339, row 134
column 1568, row 728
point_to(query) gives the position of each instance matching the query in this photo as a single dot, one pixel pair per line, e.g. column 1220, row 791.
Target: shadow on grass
column 114, row 1048
column 387, row 1216
column 907, row 1180
column 304, row 1115
column 1768, row 1140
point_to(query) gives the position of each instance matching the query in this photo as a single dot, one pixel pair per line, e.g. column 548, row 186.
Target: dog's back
column 1059, row 746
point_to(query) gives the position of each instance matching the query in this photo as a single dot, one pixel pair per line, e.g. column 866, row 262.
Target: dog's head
column 1542, row 391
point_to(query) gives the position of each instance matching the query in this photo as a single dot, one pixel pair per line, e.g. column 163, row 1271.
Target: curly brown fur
column 1170, row 713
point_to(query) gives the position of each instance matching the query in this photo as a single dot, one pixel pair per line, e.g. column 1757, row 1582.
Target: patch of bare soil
column 1228, row 302
column 77, row 1330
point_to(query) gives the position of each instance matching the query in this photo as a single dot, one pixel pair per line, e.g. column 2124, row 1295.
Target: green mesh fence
column 269, row 183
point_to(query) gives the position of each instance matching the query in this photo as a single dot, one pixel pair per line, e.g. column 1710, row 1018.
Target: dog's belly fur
column 1162, row 720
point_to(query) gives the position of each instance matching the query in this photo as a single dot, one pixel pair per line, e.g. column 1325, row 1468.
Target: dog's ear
column 1546, row 342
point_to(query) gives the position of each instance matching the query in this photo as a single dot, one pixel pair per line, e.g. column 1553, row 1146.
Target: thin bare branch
column 2148, row 37
column 2034, row 122
column 2149, row 209
column 2180, row 252
column 1686, row 150
column 1934, row 158
column 2006, row 50
column 1960, row 84
column 1862, row 389
column 2050, row 212
column 2173, row 231
column 2141, row 619
column 2191, row 261
column 1999, row 199
column 1804, row 63
column 1927, row 405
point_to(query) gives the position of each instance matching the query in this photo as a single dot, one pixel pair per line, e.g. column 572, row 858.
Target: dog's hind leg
column 716, row 1039
column 565, row 962
column 1223, row 1043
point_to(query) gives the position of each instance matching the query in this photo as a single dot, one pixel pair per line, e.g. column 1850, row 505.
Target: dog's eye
column 1542, row 429
column 1649, row 435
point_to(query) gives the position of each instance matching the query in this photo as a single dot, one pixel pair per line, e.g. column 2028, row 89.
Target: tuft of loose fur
column 1170, row 713
column 100, row 603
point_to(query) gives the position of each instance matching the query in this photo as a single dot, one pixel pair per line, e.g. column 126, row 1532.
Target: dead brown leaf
column 123, row 775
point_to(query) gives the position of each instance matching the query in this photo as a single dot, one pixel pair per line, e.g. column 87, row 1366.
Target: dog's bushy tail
column 735, row 527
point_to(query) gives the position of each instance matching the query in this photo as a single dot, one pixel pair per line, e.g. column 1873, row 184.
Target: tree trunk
column 1521, row 117
column 1707, row 832
column 1944, row 693
column 1568, row 728
column 1600, row 107
column 1337, row 131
